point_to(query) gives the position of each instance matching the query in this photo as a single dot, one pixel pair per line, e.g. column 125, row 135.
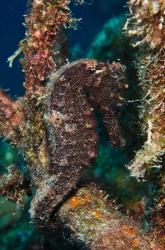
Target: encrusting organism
column 45, row 24
column 54, row 125
column 95, row 220
column 146, row 28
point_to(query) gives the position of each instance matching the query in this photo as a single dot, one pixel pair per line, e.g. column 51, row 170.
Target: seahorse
column 72, row 95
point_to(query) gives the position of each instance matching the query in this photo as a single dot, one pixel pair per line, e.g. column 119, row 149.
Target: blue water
column 12, row 31
column 94, row 14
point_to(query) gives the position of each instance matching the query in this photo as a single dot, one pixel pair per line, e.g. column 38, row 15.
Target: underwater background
column 97, row 35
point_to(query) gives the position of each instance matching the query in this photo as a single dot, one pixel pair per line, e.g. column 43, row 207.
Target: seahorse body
column 72, row 95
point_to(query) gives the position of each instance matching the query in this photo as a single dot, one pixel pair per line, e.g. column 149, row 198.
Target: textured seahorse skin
column 72, row 95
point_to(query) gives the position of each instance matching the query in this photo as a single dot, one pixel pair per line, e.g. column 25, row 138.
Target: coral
column 10, row 112
column 14, row 185
column 147, row 30
column 95, row 220
column 44, row 23
column 146, row 23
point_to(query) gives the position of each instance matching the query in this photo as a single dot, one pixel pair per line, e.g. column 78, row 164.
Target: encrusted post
column 11, row 117
column 44, row 23
column 146, row 28
column 94, row 221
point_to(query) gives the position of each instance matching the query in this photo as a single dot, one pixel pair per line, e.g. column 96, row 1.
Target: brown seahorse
column 72, row 95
